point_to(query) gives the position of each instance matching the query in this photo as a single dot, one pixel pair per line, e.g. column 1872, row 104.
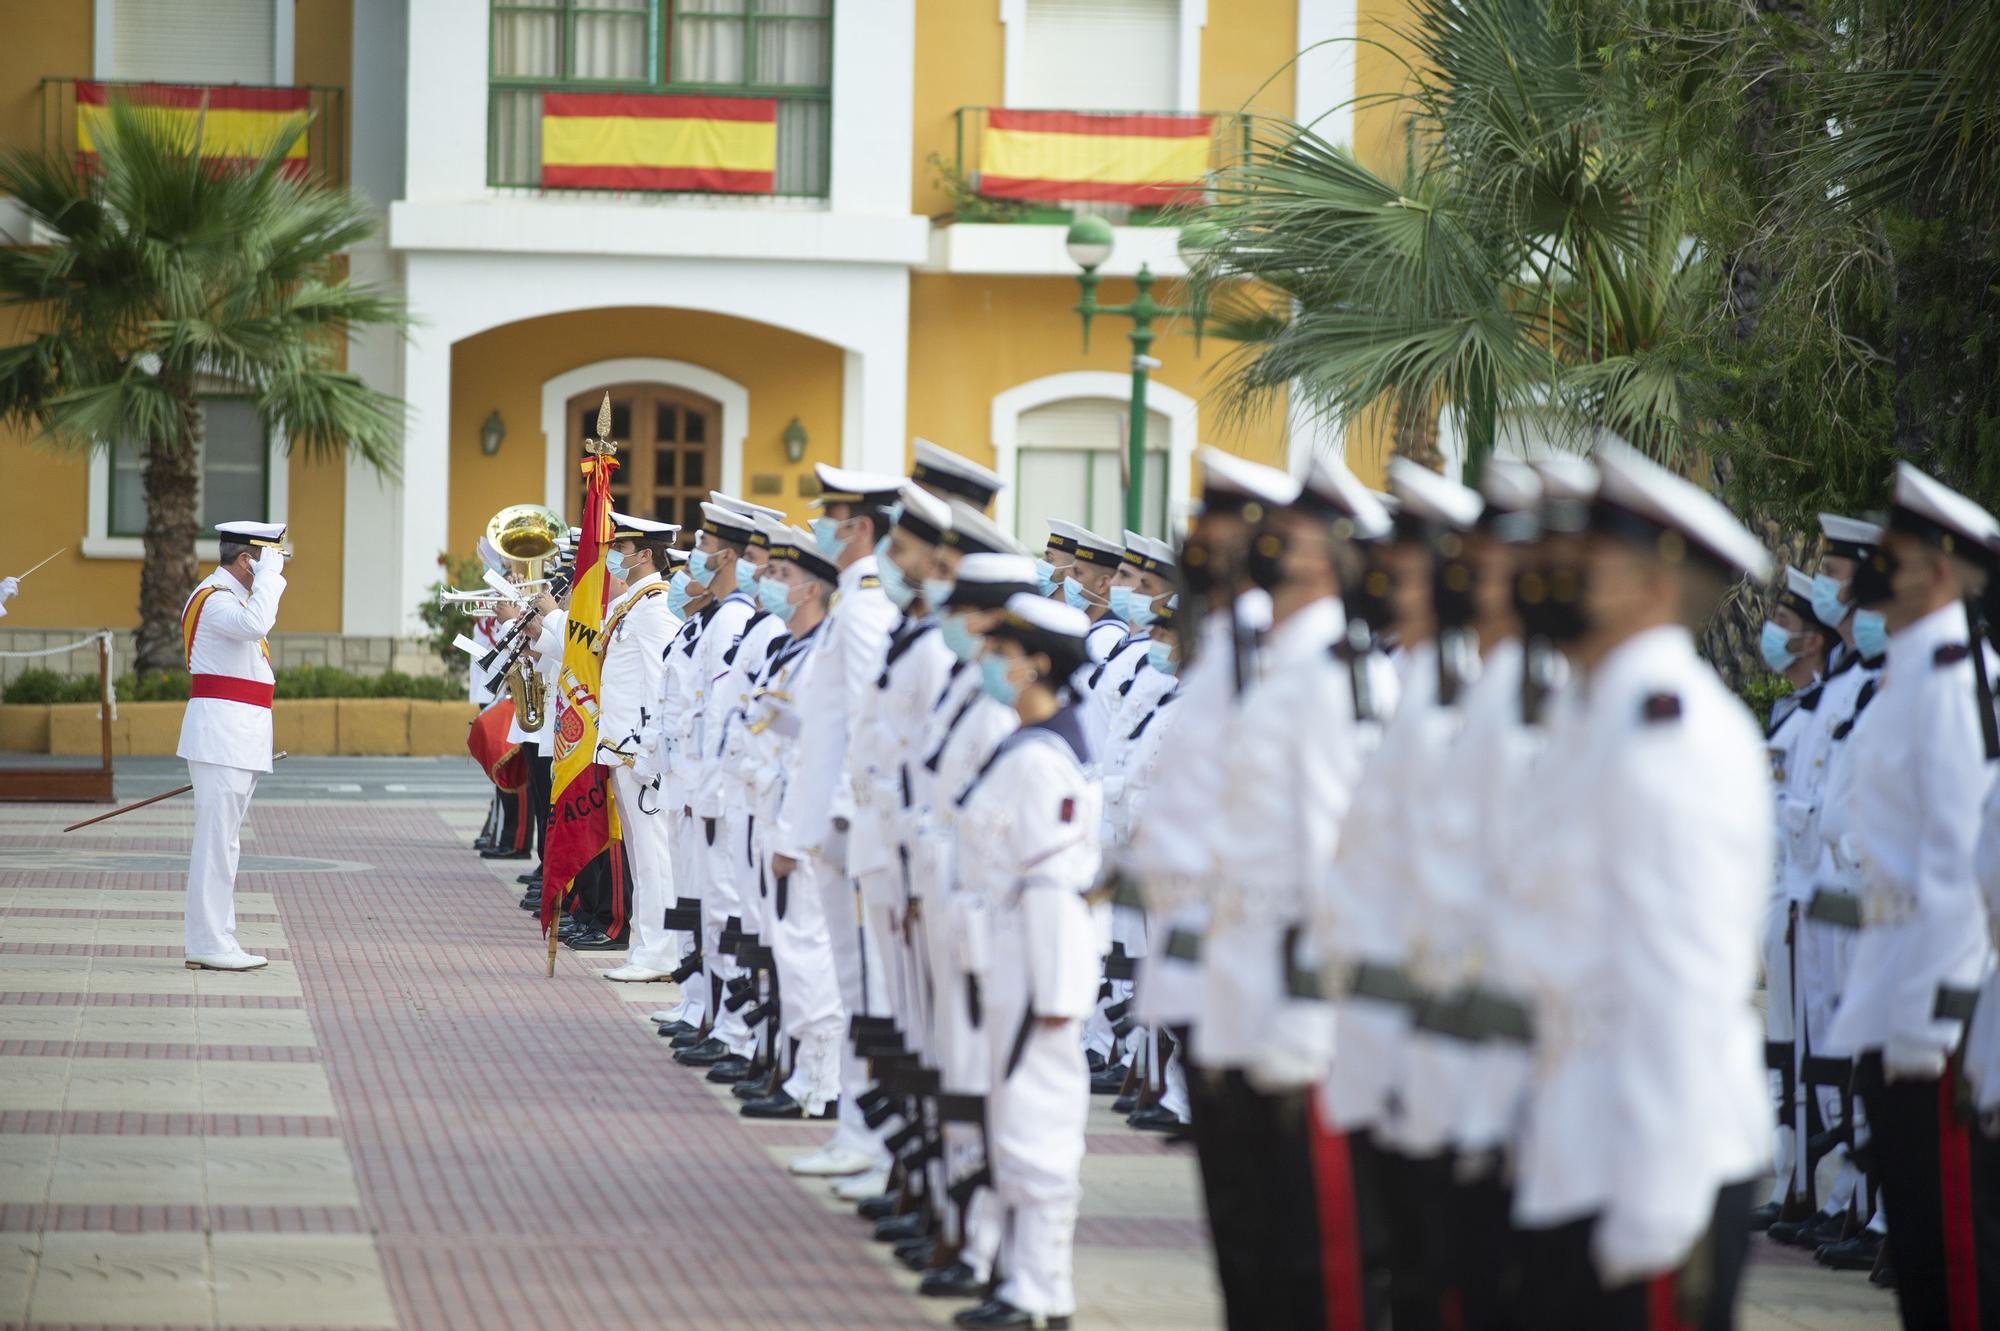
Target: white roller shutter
column 1069, row 467
column 194, row 41
column 1100, row 55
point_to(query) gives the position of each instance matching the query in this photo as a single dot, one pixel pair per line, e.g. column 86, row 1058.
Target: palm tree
column 161, row 273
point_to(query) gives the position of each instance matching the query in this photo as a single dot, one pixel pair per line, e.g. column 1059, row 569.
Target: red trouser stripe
column 231, row 689
column 1339, row 1243
column 1662, row 1309
column 1961, row 1276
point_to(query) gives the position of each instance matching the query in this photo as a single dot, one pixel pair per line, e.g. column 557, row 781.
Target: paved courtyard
column 401, row 1123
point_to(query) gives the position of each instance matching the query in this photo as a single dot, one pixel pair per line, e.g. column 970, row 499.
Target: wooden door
column 668, row 451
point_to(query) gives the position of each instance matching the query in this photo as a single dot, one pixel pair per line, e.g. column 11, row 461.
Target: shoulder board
column 868, row 582
column 1660, row 708
column 1950, row 654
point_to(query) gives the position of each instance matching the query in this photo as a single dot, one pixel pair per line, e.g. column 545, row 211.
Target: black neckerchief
column 1147, row 719
column 905, row 637
column 1066, row 725
column 697, row 623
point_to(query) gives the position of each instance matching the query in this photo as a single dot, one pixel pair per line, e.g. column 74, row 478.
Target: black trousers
column 1405, row 1201
column 1482, row 1271
column 1942, row 1196
column 1280, row 1198
column 1562, row 1292
column 541, row 782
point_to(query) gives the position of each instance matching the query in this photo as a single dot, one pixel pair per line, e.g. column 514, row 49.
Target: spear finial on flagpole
column 604, row 445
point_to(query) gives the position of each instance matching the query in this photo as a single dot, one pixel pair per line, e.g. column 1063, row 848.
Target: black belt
column 1953, row 1004
column 1183, row 945
column 1839, row 909
column 1385, row 984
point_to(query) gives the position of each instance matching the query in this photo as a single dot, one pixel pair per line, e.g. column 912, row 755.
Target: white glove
column 271, row 560
column 8, row 588
column 1911, row 1060
column 784, row 718
column 646, row 764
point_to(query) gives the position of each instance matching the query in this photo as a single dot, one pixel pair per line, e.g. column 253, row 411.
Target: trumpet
column 485, row 600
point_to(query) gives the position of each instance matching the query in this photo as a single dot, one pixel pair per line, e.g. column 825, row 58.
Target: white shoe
column 666, row 1016
column 833, row 1162
column 860, row 1187
column 630, row 974
column 225, row 961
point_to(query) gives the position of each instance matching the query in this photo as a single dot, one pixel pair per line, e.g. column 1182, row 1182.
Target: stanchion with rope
column 70, row 785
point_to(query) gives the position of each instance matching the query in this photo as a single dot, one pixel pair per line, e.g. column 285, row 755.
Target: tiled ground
column 401, row 1123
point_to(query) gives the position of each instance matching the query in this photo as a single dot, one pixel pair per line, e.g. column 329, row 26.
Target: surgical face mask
column 935, row 592
column 823, row 530
column 964, row 643
column 1130, row 604
column 1871, row 634
column 993, row 681
column 746, row 577
column 1073, row 595
column 1160, row 656
column 701, row 567
column 1776, row 644
column 1826, row 602
column 677, row 594
column 1045, row 577
column 894, row 585
column 776, row 598
column 614, row 564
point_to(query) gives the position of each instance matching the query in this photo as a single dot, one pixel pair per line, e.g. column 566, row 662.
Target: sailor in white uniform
column 226, row 732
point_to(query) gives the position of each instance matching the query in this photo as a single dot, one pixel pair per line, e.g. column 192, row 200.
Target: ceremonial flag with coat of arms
column 582, row 822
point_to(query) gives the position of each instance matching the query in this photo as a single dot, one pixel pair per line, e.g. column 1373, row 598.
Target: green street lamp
column 1089, row 244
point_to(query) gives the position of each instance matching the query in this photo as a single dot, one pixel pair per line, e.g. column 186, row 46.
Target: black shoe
column 1154, row 1118
column 999, row 1312
column 669, row 1029
column 1856, row 1254
column 879, row 1208
column 1765, row 1216
column 482, row 841
column 704, row 1055
column 1799, row 1233
column 1108, row 1082
column 532, row 878
column 775, row 1105
column 1884, row 1274
column 597, row 942
column 532, row 899
column 916, row 1254
column 573, row 928
column 753, row 1088
column 896, row 1228
column 498, row 853
column 687, row 1039
column 953, row 1282
column 728, row 1071
column 1126, row 1103
column 1095, row 1060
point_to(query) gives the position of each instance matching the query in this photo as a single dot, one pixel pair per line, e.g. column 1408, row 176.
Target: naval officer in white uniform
column 226, row 733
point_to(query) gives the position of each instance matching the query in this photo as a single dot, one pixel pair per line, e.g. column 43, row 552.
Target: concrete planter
column 375, row 727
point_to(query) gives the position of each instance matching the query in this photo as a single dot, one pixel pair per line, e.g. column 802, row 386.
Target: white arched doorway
column 1178, row 410
column 556, row 393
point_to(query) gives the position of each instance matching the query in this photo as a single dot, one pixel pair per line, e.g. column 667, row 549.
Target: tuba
column 527, row 534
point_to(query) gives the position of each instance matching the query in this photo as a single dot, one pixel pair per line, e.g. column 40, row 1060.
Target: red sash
column 230, row 689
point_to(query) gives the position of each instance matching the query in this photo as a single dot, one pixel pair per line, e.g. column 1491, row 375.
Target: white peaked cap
column 1331, row 485
column 953, row 473
column 1797, row 583
column 1629, row 480
column 1139, row 549
column 644, row 526
column 973, row 531
column 1944, row 517
column 1226, row 473
column 744, row 506
column 1431, row 497
column 1049, row 615
column 924, row 506
column 1840, row 529
column 253, row 533
column 839, row 485
column 1510, row 485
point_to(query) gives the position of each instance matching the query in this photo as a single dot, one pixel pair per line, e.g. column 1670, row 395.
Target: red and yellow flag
column 237, row 124
column 1145, row 160
column 644, row 141
column 582, row 823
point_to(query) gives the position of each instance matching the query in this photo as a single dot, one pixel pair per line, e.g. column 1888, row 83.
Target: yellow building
column 777, row 231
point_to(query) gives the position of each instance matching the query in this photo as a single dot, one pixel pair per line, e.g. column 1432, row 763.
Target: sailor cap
column 1848, row 538
column 1063, row 535
column 1095, row 550
column 770, row 527
column 1640, row 501
column 1941, row 517
column 1165, row 612
column 954, row 475
column 1332, row 491
column 1569, row 484
column 745, row 507
column 1428, row 504
column 838, row 485
column 989, row 581
column 1044, row 625
column 625, row 527
column 1513, row 493
column 267, row 534
column 1148, row 555
column 1797, row 596
column 798, row 547
column 726, row 524
column 922, row 514
column 1233, row 484
column 975, row 533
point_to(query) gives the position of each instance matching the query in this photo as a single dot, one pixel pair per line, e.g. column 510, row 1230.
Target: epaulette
column 1660, row 708
column 1950, row 654
column 868, row 582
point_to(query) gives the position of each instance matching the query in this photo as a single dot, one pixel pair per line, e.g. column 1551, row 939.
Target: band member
column 226, row 732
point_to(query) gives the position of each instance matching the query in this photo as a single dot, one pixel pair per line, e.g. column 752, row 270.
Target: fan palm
column 152, row 272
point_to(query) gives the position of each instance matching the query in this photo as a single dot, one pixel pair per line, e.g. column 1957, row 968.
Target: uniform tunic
column 641, row 629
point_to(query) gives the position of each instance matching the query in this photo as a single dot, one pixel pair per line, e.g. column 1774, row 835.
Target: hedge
column 46, row 686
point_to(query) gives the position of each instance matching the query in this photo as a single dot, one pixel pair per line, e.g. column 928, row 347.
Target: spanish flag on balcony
column 1144, row 160
column 642, row 141
column 237, row 124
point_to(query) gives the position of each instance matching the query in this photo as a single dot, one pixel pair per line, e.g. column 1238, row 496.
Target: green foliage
column 447, row 622
column 32, row 687
column 967, row 204
column 39, row 685
column 1759, row 692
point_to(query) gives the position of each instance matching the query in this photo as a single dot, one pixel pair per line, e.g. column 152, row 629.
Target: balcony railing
column 1135, row 167
column 737, row 144
column 238, row 119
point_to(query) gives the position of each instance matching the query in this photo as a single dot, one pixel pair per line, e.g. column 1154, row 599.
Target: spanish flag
column 1143, row 160
column 582, row 823
column 237, row 124
column 641, row 141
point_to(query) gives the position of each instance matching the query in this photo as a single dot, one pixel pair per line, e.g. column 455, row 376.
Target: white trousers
column 859, row 976
column 721, row 897
column 649, row 859
column 221, row 798
column 1036, row 1118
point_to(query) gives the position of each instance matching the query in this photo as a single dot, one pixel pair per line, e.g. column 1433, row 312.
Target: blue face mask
column 993, row 681
column 823, row 530
column 1871, row 633
column 1826, row 602
column 746, row 577
column 894, row 585
column 614, row 564
column 1045, row 577
column 677, row 594
column 1073, row 595
column 1134, row 607
column 1160, row 656
column 701, row 567
column 936, row 591
column 963, row 642
column 776, row 598
column 1776, row 644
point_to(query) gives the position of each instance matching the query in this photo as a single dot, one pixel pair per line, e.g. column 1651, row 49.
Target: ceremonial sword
column 277, row 757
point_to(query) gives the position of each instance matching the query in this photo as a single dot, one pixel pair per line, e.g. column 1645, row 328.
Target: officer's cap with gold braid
column 975, row 533
column 947, row 473
column 1569, row 485
column 260, row 534
column 745, row 507
column 1429, row 505
column 1334, row 493
column 726, row 524
column 1043, row 625
column 1230, row 484
column 922, row 514
column 838, row 485
column 797, row 547
column 1642, row 503
column 1941, row 517
column 1148, row 555
column 1848, row 538
column 625, row 527
column 1513, row 493
column 989, row 581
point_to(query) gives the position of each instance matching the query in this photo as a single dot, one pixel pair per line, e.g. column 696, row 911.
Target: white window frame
column 1183, row 427
column 556, row 393
column 99, row 543
column 104, row 28
column 1187, row 77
